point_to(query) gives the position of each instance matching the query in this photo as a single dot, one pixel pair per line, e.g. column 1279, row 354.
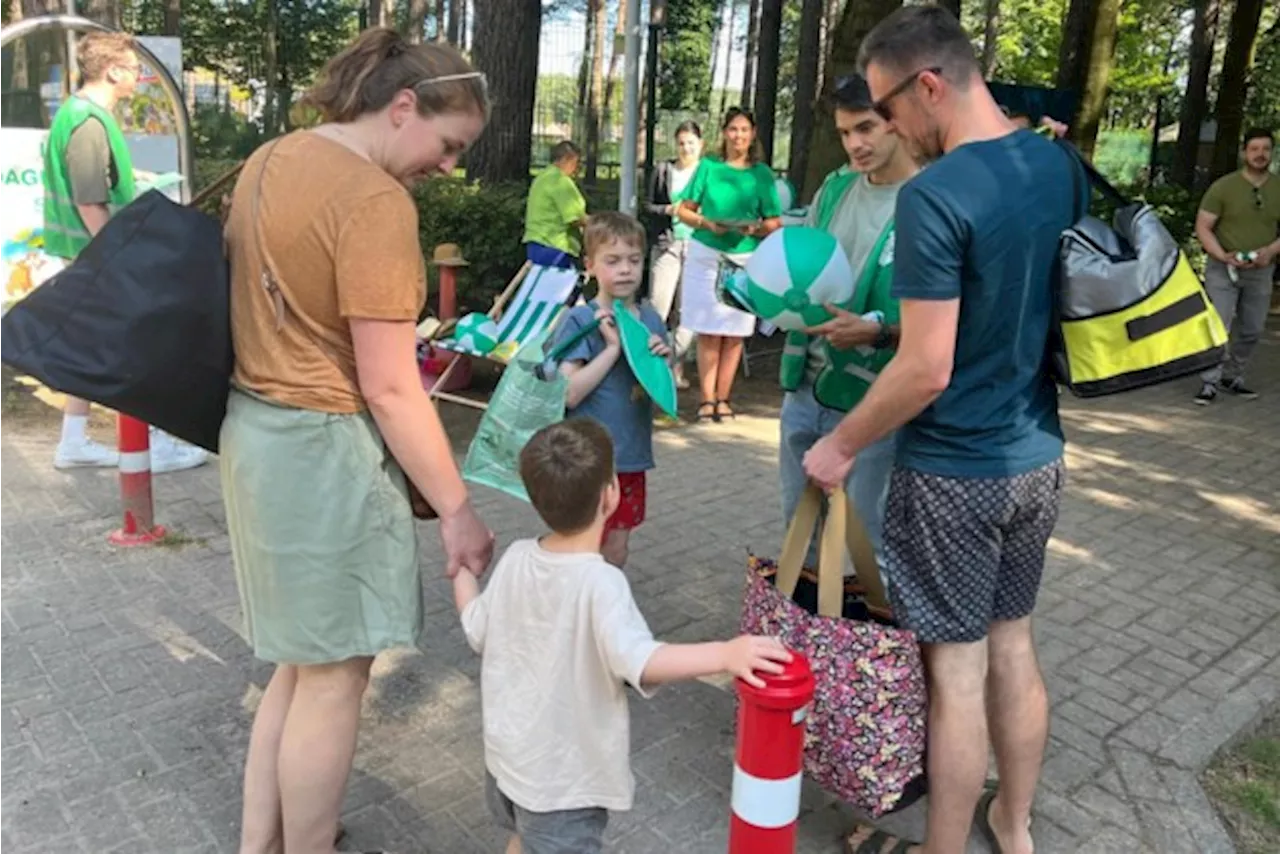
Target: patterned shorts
column 631, row 506
column 963, row 553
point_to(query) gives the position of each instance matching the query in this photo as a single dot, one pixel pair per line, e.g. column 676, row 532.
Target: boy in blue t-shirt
column 601, row 383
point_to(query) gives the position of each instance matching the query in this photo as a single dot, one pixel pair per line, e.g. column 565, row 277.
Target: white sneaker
column 169, row 454
column 84, row 454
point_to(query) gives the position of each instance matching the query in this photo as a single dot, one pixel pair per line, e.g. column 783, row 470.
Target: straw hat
column 448, row 255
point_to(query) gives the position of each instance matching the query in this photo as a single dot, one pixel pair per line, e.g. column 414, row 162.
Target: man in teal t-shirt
column 556, row 211
column 979, row 476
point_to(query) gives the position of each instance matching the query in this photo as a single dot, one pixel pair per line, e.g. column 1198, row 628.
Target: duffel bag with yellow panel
column 1131, row 310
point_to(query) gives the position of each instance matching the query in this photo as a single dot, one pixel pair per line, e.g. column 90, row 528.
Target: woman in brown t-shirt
column 328, row 415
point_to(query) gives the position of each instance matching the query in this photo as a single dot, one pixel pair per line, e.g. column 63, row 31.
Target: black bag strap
column 1095, row 178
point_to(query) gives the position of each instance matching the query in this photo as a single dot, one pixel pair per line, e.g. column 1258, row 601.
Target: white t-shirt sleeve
column 621, row 632
column 475, row 621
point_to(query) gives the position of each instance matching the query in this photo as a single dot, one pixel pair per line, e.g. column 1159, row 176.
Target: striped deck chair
column 533, row 301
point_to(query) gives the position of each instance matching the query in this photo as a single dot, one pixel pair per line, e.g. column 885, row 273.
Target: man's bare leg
column 1018, row 719
column 957, row 742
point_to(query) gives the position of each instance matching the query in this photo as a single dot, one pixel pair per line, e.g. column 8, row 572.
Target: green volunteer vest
column 847, row 374
column 64, row 232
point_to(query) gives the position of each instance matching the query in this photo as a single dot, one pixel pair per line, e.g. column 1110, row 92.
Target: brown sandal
column 707, row 411
column 729, row 413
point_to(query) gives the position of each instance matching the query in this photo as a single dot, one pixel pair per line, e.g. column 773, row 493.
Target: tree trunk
column 271, row 69
column 172, row 18
column 749, row 68
column 716, row 34
column 102, row 11
column 1093, row 97
column 417, row 28
column 440, row 20
column 464, row 35
column 1233, row 87
column 766, row 100
column 16, row 64
column 1195, row 103
column 619, row 50
column 826, row 153
column 724, row 89
column 377, row 13
column 454, row 20
column 596, row 93
column 506, row 47
column 584, row 68
column 806, row 88
column 952, row 6
column 990, row 38
column 1073, row 52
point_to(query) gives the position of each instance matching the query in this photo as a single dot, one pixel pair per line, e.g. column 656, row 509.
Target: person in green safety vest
column 826, row 370
column 88, row 175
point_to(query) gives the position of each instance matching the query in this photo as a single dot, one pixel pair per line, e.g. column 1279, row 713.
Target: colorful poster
column 23, row 264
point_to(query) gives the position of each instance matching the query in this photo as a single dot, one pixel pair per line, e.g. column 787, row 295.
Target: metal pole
column 651, row 99
column 69, row 70
column 630, row 111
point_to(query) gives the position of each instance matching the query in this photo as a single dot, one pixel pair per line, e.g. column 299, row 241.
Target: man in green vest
column 826, row 370
column 88, row 176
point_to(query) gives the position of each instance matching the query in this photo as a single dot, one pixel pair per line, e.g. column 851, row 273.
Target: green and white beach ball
column 794, row 272
column 786, row 194
column 476, row 332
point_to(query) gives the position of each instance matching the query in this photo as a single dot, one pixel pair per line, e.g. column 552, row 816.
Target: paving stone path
column 127, row 691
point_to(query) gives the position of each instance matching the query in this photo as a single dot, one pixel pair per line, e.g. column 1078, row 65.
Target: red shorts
column 630, row 512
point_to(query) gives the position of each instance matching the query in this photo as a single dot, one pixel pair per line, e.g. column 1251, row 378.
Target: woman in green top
column 731, row 204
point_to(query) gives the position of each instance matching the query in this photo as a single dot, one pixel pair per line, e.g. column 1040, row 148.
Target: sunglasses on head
column 733, row 112
column 882, row 106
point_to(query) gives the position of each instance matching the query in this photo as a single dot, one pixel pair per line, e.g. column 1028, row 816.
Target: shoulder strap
column 271, row 281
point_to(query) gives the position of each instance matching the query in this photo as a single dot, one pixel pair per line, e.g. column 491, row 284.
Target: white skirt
column 700, row 311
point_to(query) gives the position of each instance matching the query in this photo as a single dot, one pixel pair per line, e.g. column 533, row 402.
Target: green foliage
column 1030, row 34
column 227, row 36
column 220, row 134
column 684, row 78
column 1263, row 106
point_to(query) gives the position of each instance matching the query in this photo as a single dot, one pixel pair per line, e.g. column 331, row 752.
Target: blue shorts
column 549, row 256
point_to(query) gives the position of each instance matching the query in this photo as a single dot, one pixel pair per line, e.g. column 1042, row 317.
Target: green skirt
column 322, row 536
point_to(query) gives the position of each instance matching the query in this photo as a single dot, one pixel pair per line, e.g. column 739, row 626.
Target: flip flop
column 982, row 816
column 874, row 844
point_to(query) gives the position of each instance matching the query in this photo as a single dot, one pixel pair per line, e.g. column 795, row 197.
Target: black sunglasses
column 1257, row 197
column 882, row 107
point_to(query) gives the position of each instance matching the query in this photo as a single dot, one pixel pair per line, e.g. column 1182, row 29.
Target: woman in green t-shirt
column 731, row 204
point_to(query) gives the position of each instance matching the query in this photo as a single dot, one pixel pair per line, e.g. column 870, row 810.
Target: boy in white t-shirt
column 560, row 634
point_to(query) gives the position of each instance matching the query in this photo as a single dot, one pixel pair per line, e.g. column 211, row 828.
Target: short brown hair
column 608, row 226
column 98, row 53
column 915, row 38
column 379, row 63
column 566, row 468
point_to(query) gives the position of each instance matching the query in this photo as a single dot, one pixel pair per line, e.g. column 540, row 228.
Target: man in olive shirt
column 556, row 211
column 1237, row 224
column 88, row 175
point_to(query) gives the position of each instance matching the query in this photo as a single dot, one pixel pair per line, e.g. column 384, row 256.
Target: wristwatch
column 883, row 339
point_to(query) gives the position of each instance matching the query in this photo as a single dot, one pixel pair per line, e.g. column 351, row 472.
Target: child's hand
column 608, row 329
column 746, row 655
column 658, row 347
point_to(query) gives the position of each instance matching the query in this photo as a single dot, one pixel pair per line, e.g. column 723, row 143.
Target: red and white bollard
column 769, row 764
column 134, row 444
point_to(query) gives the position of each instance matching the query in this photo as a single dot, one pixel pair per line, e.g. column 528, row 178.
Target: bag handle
column 842, row 533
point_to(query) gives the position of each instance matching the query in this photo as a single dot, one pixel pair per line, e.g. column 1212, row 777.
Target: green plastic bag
column 531, row 395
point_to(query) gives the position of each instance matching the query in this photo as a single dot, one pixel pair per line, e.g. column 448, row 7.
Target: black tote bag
column 139, row 322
